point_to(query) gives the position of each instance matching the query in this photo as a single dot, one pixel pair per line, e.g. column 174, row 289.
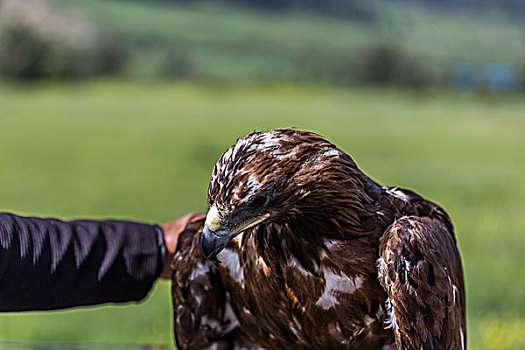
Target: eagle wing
column 203, row 317
column 420, row 270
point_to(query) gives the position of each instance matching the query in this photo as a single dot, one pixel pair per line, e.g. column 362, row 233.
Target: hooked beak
column 215, row 238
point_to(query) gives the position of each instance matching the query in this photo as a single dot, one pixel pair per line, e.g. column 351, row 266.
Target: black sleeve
column 50, row 264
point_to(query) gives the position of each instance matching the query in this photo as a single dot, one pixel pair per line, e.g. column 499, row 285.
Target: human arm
column 48, row 264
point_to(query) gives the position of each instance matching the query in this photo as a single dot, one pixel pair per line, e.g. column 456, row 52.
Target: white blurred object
column 41, row 16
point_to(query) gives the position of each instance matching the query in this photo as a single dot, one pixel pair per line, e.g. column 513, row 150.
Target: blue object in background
column 487, row 76
column 500, row 77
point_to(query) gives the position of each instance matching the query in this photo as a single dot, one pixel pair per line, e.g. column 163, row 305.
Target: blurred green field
column 144, row 151
column 232, row 42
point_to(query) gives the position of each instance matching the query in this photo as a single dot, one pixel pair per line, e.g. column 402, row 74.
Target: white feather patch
column 238, row 239
column 331, row 152
column 390, row 321
column 294, row 263
column 211, row 323
column 455, row 292
column 336, row 284
column 230, row 260
column 397, row 193
column 329, row 243
column 229, row 318
column 200, row 270
column 462, row 338
column 381, row 268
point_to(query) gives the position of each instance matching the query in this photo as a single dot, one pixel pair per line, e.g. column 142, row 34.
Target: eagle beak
column 214, row 238
column 212, row 242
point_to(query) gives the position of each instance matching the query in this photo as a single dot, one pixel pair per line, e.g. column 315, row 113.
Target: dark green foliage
column 384, row 64
column 22, row 53
column 177, row 65
column 381, row 64
column 27, row 55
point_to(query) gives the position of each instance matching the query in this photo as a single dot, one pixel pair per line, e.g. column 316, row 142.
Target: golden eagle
column 301, row 250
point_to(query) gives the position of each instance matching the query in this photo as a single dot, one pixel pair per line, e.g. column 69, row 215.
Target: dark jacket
column 50, row 264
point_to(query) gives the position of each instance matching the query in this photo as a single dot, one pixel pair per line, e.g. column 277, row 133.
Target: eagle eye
column 259, row 201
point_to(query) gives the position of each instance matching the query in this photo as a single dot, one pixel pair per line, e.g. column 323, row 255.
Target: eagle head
column 278, row 176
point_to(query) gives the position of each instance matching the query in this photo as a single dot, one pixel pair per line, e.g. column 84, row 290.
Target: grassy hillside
column 145, row 152
column 221, row 41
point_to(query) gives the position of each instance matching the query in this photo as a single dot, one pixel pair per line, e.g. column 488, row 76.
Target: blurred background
column 113, row 108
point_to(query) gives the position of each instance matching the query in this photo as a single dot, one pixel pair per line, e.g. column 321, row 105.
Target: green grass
column 144, row 151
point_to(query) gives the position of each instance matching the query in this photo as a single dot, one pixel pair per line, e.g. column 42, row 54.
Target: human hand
column 172, row 230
